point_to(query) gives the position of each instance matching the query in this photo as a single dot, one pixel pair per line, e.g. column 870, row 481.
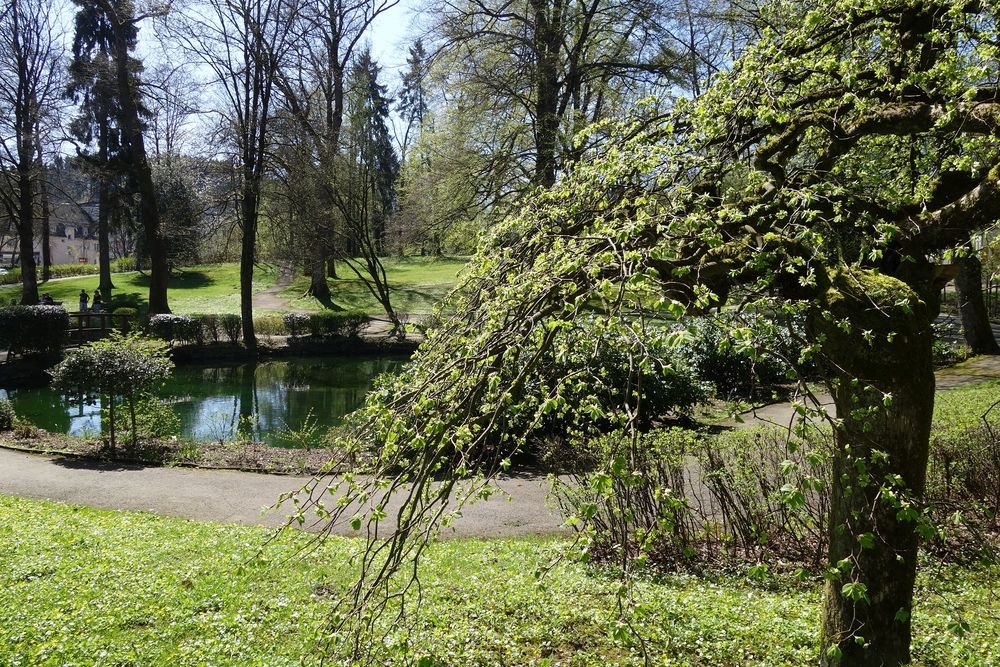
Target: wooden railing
column 85, row 327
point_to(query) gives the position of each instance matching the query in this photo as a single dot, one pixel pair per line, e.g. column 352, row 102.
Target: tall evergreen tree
column 93, row 87
column 413, row 103
column 106, row 34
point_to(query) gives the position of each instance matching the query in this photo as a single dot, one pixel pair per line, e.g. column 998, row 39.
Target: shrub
column 33, row 328
column 295, row 323
column 963, row 472
column 210, row 326
column 658, row 522
column 749, row 494
column 346, row 324
column 122, row 370
column 127, row 318
column 174, row 328
column 13, row 276
column 7, row 415
column 269, row 325
column 232, row 325
column 735, row 352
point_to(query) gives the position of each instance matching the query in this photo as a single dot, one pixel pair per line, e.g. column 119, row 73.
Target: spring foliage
column 816, row 179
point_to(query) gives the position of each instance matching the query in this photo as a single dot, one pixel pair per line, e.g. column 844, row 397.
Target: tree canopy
column 823, row 175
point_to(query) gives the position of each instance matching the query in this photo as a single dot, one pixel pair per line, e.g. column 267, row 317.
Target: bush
column 33, row 328
column 736, row 352
column 127, row 318
column 269, row 325
column 963, row 472
column 210, row 327
column 345, row 324
column 123, row 370
column 748, row 494
column 175, row 328
column 296, row 323
column 7, row 415
column 232, row 325
column 13, row 276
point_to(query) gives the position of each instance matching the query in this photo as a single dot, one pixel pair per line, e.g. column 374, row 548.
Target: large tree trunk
column 43, row 195
column 103, row 232
column 547, row 43
column 148, row 211
column 248, row 256
column 972, row 306
column 881, row 376
column 316, row 266
column 26, row 232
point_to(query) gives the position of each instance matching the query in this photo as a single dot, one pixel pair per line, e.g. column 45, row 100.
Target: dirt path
column 270, row 299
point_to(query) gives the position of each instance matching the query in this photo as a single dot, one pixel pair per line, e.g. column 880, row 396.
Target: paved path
column 235, row 497
column 967, row 373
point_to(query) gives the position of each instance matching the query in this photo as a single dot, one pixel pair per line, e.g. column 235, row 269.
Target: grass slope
column 417, row 284
column 85, row 587
column 208, row 288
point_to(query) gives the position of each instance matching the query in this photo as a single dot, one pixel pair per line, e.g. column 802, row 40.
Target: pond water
column 265, row 399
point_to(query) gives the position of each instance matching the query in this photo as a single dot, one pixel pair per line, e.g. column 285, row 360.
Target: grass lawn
column 85, row 587
column 208, row 288
column 417, row 283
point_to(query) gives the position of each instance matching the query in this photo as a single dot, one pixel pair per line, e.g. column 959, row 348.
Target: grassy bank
column 85, row 587
column 417, row 285
column 209, row 288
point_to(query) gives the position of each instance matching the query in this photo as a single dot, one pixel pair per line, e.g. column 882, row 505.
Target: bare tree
column 242, row 43
column 30, row 55
column 328, row 35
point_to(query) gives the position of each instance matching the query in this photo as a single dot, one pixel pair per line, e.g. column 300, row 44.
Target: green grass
column 86, row 587
column 417, row 284
column 209, row 288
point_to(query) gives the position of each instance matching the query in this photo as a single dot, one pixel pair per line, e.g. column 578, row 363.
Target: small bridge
column 85, row 327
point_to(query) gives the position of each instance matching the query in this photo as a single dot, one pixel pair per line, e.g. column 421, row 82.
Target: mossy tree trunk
column 972, row 306
column 877, row 339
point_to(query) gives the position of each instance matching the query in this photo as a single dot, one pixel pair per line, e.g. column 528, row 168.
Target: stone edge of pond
column 18, row 446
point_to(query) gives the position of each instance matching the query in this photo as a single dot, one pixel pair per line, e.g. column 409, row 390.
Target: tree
column 93, row 87
column 413, row 103
column 121, row 370
column 820, row 177
column 111, row 27
column 29, row 86
column 313, row 82
column 972, row 306
column 368, row 169
column 541, row 70
column 243, row 43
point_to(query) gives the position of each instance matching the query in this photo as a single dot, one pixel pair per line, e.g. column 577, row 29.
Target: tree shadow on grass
column 180, row 280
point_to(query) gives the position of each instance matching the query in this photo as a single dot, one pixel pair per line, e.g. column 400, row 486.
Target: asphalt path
column 243, row 498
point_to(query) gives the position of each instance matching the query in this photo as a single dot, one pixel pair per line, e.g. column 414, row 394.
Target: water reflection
column 253, row 401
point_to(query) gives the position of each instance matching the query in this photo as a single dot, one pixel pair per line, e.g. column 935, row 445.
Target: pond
column 266, row 399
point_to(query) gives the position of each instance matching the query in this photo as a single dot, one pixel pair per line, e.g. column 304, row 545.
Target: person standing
column 83, row 300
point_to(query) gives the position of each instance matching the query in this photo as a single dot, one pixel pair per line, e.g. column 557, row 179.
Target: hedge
column 33, row 328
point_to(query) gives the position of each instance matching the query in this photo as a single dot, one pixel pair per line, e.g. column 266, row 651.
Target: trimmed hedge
column 175, row 328
column 296, row 324
column 347, row 324
column 33, row 328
